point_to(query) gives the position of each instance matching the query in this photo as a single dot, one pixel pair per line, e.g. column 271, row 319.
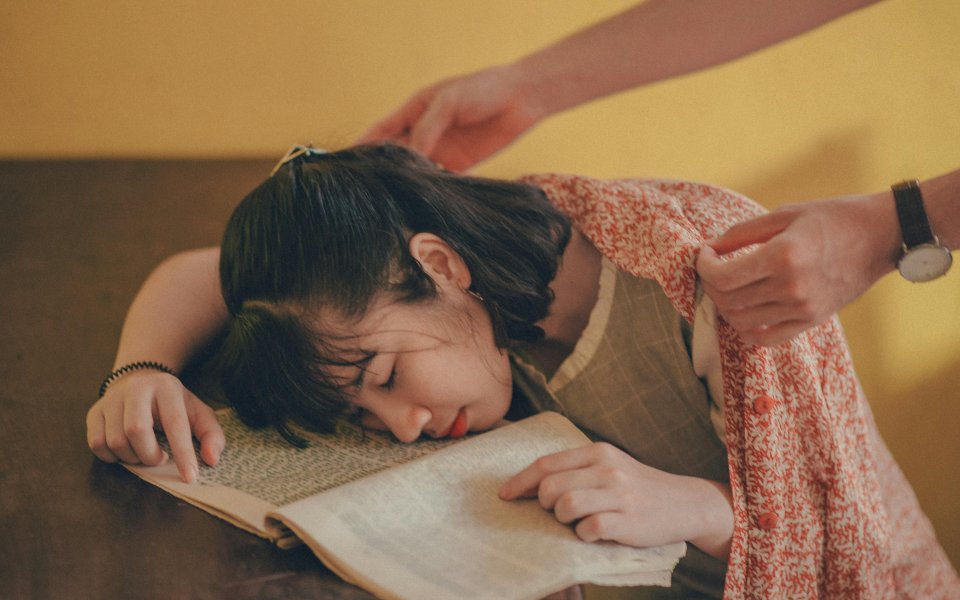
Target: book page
column 260, row 471
column 435, row 527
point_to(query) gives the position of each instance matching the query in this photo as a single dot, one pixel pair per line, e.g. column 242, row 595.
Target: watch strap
column 914, row 225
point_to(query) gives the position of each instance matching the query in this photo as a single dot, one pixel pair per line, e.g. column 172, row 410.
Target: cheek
column 455, row 375
column 372, row 421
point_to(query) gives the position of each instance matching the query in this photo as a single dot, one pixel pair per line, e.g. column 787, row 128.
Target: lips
column 459, row 426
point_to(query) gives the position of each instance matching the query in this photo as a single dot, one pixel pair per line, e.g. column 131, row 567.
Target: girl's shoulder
column 708, row 208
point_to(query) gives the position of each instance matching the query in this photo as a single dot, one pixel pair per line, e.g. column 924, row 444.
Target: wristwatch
column 924, row 257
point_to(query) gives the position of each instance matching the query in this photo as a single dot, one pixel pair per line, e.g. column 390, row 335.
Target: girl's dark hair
column 328, row 232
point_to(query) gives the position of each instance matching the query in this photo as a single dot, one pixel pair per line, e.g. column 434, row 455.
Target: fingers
column 755, row 231
column 115, row 435
column 588, row 486
column 607, row 525
column 96, row 435
column 526, row 483
column 122, row 425
column 398, row 123
column 739, row 271
column 206, row 428
column 176, row 426
column 138, row 431
column 734, row 273
column 432, row 124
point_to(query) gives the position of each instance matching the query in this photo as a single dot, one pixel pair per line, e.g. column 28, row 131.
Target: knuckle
column 791, row 259
column 97, row 443
column 116, row 442
column 716, row 283
column 544, row 499
column 567, row 507
column 544, row 464
column 167, row 384
column 612, row 474
column 138, row 430
column 548, row 489
column 591, row 528
column 793, row 291
column 605, row 451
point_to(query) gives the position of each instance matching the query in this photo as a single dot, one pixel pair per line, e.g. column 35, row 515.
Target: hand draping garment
column 820, row 507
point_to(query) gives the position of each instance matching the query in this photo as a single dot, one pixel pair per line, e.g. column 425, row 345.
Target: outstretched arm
column 176, row 313
column 461, row 121
column 814, row 258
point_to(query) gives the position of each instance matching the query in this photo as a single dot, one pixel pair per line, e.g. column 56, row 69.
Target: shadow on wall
column 924, row 441
column 831, row 168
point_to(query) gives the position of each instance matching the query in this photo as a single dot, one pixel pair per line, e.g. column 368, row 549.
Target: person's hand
column 612, row 496
column 459, row 122
column 813, row 259
column 121, row 425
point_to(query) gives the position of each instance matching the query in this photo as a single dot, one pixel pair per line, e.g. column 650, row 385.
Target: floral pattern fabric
column 820, row 507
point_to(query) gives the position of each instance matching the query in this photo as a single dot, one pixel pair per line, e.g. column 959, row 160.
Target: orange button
column 768, row 520
column 764, row 404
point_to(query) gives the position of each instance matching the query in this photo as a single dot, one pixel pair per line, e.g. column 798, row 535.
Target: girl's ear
column 441, row 262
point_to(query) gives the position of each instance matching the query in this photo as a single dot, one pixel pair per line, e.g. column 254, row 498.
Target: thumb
column 754, row 231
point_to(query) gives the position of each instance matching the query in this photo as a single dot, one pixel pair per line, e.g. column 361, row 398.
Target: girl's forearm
column 178, row 310
column 660, row 39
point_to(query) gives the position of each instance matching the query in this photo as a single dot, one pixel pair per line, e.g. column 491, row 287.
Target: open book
column 413, row 521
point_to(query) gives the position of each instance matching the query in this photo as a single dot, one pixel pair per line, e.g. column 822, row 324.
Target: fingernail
column 189, row 474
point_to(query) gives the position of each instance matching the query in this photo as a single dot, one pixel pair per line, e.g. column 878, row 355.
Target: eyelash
column 390, row 382
column 386, row 385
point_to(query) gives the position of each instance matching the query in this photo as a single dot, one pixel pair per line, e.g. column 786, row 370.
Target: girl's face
column 436, row 369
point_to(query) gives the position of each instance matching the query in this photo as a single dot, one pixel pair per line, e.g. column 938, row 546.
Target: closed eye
column 391, row 381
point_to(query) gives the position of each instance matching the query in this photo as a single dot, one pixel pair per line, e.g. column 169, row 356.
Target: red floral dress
column 820, row 507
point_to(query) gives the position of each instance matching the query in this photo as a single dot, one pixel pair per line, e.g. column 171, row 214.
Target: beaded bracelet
column 142, row 364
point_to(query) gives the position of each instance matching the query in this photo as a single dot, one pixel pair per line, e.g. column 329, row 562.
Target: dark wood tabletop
column 77, row 238
column 76, row 241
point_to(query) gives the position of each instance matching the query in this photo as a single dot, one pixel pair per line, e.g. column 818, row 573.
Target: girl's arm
column 614, row 497
column 176, row 313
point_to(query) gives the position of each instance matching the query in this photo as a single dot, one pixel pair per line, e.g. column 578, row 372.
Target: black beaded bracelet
column 143, row 364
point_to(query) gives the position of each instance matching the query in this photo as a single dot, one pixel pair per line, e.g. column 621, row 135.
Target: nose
column 405, row 421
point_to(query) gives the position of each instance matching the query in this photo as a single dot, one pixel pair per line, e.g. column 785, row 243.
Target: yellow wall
column 852, row 107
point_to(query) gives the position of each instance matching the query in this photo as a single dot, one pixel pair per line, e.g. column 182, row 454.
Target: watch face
column 925, row 262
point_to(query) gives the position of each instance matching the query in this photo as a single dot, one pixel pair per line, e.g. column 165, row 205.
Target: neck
column 575, row 293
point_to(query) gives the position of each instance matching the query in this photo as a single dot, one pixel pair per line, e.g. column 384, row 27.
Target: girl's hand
column 461, row 121
column 121, row 425
column 612, row 496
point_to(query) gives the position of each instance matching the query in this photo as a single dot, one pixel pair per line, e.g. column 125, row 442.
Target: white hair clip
column 296, row 152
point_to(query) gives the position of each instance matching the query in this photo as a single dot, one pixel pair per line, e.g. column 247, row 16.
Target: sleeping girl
column 370, row 284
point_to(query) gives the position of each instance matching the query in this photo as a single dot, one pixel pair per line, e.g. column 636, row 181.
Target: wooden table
column 76, row 240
